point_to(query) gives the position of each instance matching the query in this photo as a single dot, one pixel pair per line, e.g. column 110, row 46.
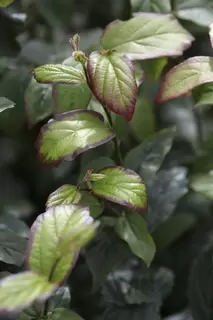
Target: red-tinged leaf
column 72, row 133
column 112, row 82
column 186, row 76
column 121, row 186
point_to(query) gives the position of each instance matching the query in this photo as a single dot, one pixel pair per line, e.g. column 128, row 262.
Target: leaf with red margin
column 185, row 76
column 112, row 82
column 72, row 133
column 66, row 194
column 48, row 232
column 146, row 36
column 19, row 291
column 122, row 186
column 58, row 73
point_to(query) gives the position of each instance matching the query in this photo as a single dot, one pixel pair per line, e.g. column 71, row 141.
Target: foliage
column 109, row 134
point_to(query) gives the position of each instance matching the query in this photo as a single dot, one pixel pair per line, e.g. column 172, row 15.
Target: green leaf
column 105, row 244
column 203, row 183
column 147, row 158
column 6, row 104
column 186, row 76
column 58, row 73
column 60, row 299
column 132, row 229
column 64, row 314
column 5, row 3
column 143, row 121
column 95, row 206
column 66, row 194
column 203, row 95
column 121, row 186
column 20, row 290
column 164, row 37
column 72, row 133
column 155, row 6
column 68, row 97
column 38, row 101
column 211, row 33
column 95, row 165
column 47, row 232
column 198, row 11
column 12, row 246
column 10, row 222
column 112, row 82
column 153, row 67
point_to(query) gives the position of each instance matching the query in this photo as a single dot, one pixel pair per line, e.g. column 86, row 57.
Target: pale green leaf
column 121, row 186
column 72, row 133
column 198, row 11
column 147, row 36
column 38, row 101
column 186, row 76
column 5, row 104
column 132, row 228
column 66, row 194
column 64, row 314
column 203, row 95
column 20, row 290
column 68, row 97
column 5, row 3
column 59, row 73
column 47, row 232
column 112, row 82
column 203, row 183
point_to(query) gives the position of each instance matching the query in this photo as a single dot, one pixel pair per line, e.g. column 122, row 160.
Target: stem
column 117, row 144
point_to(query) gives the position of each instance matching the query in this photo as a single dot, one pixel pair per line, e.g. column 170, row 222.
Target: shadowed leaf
column 6, row 104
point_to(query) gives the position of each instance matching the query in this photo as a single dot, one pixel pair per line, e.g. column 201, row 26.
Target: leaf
column 203, row 95
column 132, row 229
column 147, row 158
column 12, row 246
column 47, row 233
column 203, row 183
column 5, row 3
column 38, row 101
column 10, row 222
column 5, row 104
column 155, row 6
column 153, row 67
column 112, row 82
column 164, row 192
column 200, row 289
column 122, row 186
column 95, row 206
column 105, row 244
column 72, row 133
column 143, row 121
column 20, row 290
column 64, row 314
column 186, row 76
column 164, row 36
column 58, row 73
column 60, row 299
column 200, row 11
column 67, row 97
column 95, row 165
column 66, row 194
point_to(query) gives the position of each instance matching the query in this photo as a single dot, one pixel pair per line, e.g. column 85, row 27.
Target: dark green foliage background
column 108, row 282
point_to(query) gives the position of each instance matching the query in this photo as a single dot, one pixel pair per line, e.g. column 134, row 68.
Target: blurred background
column 35, row 32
